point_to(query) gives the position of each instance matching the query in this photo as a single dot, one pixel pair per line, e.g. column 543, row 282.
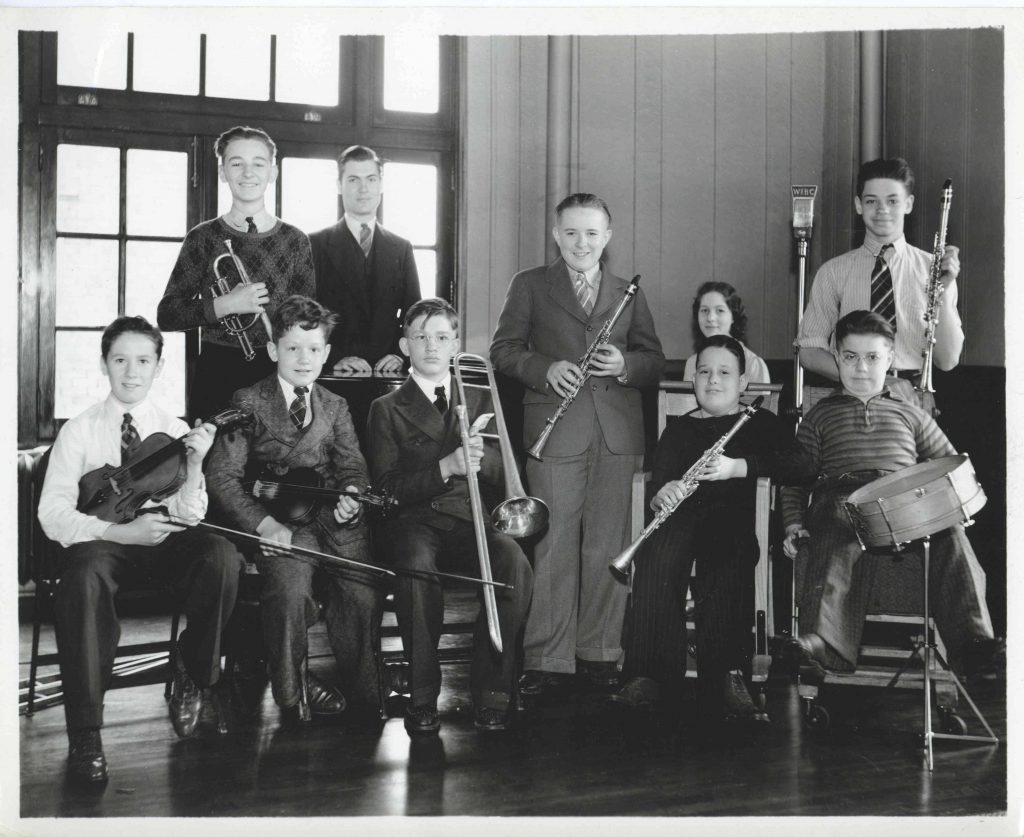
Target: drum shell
column 916, row 502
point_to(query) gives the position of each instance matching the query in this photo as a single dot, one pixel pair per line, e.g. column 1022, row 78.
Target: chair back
column 676, row 398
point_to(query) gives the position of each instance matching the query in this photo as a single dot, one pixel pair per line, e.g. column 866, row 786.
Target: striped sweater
column 843, row 435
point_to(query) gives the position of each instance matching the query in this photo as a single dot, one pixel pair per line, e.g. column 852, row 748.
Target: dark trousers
column 352, row 608
column 655, row 634
column 220, row 370
column 87, row 625
column 419, row 605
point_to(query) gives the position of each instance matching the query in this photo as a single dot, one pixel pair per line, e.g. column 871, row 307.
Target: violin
column 298, row 500
column 155, row 471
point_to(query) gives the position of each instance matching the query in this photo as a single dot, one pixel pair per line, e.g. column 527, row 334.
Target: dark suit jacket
column 370, row 295
column 543, row 322
column 329, row 444
column 406, row 437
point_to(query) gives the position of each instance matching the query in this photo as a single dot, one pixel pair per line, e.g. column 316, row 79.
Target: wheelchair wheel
column 816, row 717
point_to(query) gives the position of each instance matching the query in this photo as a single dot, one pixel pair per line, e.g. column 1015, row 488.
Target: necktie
column 441, row 402
column 882, row 300
column 251, row 228
column 129, row 438
column 583, row 293
column 297, row 410
column 365, row 239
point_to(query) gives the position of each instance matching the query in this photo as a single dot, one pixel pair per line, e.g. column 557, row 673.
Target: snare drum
column 916, row 502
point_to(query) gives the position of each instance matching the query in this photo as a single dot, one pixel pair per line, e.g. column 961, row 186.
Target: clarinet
column 690, row 484
column 583, row 363
column 935, row 291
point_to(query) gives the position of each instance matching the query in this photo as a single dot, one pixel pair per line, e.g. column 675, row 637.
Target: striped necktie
column 297, row 410
column 365, row 239
column 583, row 292
column 129, row 438
column 882, row 300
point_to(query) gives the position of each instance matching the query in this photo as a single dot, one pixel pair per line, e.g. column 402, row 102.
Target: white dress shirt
column 91, row 440
column 428, row 386
column 356, row 227
column 288, row 390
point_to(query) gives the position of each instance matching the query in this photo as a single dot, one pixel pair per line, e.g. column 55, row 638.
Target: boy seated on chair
column 100, row 555
column 854, row 436
column 416, row 455
column 299, row 425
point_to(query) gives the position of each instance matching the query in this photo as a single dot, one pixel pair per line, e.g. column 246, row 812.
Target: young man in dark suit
column 364, row 273
column 416, row 454
column 297, row 424
column 551, row 315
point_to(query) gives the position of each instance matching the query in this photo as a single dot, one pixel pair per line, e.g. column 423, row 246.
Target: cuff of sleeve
column 812, row 342
column 209, row 313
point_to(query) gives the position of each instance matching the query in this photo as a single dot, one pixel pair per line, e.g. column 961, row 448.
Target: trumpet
column 584, row 364
column 233, row 323
column 621, row 563
column 935, row 291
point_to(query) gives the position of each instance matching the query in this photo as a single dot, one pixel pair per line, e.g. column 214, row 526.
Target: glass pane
column 410, row 201
column 166, row 61
column 90, row 56
column 426, row 267
column 238, row 65
column 88, row 188
column 309, row 193
column 148, row 264
column 80, row 383
column 412, row 73
column 157, row 192
column 86, row 282
column 307, row 66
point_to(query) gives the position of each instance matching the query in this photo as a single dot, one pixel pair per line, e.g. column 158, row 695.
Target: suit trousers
column 353, row 602
column 87, row 626
column 578, row 605
column 655, row 639
column 419, row 604
column 838, row 578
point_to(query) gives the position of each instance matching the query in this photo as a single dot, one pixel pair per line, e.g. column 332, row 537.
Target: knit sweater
column 279, row 257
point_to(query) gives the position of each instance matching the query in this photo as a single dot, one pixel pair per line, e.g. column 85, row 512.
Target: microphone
column 803, row 211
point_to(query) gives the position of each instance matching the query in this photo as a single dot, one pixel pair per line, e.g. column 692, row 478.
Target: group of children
column 571, row 607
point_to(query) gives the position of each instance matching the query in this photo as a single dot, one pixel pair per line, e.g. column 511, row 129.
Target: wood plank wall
column 694, row 140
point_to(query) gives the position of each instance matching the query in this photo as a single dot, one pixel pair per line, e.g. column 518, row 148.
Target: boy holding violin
column 100, row 554
column 297, row 427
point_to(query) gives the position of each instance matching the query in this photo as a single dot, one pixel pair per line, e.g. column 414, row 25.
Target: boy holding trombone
column 275, row 256
column 416, row 455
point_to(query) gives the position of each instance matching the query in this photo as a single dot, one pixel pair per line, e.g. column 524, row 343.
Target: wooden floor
column 575, row 758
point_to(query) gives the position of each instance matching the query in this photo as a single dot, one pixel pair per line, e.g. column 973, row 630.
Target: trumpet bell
column 520, row 517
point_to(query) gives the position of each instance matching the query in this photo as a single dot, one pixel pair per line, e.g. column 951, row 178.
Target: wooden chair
column 43, row 560
column 676, row 398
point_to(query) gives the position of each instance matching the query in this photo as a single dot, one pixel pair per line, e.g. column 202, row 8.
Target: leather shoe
column 86, row 762
column 599, row 672
column 806, row 653
column 213, row 713
column 490, row 720
column 638, row 693
column 395, row 679
column 984, row 658
column 736, row 697
column 534, row 683
column 323, row 699
column 186, row 701
column 422, row 720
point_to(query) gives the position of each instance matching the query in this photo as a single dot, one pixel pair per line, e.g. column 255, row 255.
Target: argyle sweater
column 280, row 257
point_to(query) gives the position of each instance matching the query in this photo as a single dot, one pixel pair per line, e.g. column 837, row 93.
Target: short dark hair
column 888, row 168
column 732, row 299
column 299, row 310
column 724, row 341
column 131, row 325
column 244, row 132
column 430, row 307
column 583, row 200
column 864, row 322
column 358, row 154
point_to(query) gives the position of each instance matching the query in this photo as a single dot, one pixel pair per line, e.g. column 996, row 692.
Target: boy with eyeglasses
column 854, row 436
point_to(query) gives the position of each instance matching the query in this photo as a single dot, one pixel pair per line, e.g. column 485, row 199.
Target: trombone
column 233, row 322
column 518, row 515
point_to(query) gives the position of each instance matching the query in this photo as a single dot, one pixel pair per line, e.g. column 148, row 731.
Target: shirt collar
column 593, row 275
column 116, row 410
column 427, row 386
column 289, row 390
column 886, row 393
column 874, row 246
column 355, row 227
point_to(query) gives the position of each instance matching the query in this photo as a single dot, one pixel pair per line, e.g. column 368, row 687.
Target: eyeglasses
column 870, row 359
column 442, row 340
